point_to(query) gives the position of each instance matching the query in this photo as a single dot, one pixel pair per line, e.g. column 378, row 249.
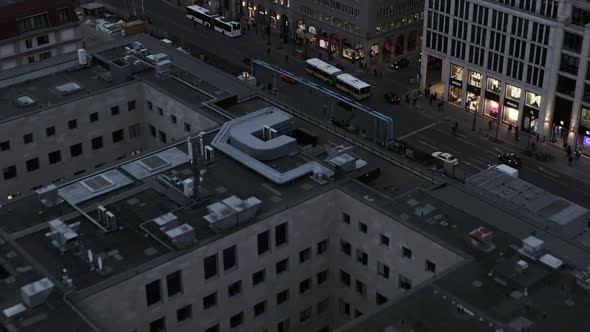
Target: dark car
column 401, row 63
column 147, row 19
column 288, row 79
column 392, row 98
column 510, row 159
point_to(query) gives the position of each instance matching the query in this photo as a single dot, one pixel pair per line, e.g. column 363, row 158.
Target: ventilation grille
column 97, row 183
column 153, row 163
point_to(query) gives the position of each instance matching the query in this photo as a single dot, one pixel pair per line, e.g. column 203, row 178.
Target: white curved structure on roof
column 236, row 139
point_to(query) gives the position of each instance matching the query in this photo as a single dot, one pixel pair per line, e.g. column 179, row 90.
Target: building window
column 234, row 289
column 214, row 328
column 4, row 146
column 344, row 307
column 430, row 266
column 173, row 119
column 28, row 138
column 304, row 255
column 322, row 246
column 362, row 227
column 32, row 164
column 305, row 315
column 513, row 92
column 42, row 40
column 281, row 234
column 406, row 253
column 152, row 131
column 73, row 124
column 150, row 106
column 9, row 172
column 118, row 135
column 94, row 117
column 63, row 15
column 131, row 105
column 31, row 59
column 283, row 326
column 187, row 127
column 184, row 313
column 50, row 131
column 572, row 42
column 357, row 313
column 158, row 325
column 134, row 130
column 76, row 150
column 322, row 277
column 162, row 136
column 160, row 111
column 263, row 240
column 404, row 282
column 360, row 287
column 153, row 292
column 345, row 218
column 282, row 266
column 345, row 247
column 380, row 299
column 96, row 143
column 54, row 157
column 229, row 258
column 566, row 85
column 29, row 44
column 236, row 320
column 45, row 55
column 210, row 301
column 174, row 283
column 322, row 306
column 258, row 277
column 259, row 308
column 115, row 110
column 305, row 285
column 382, row 270
column 493, row 85
column 283, row 296
column 34, row 22
column 362, row 257
column 569, row 64
column 474, row 79
column 345, row 278
column 210, row 266
column 384, row 240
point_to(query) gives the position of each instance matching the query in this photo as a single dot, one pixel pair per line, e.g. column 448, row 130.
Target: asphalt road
column 423, row 127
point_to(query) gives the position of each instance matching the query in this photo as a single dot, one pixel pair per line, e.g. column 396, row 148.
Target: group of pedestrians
column 572, row 155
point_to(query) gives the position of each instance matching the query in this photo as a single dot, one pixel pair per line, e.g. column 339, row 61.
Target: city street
column 424, row 127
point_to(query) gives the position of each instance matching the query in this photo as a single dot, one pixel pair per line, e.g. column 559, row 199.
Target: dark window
column 76, row 149
column 96, row 143
column 54, row 157
column 210, row 301
column 304, row 255
column 162, row 136
column 345, row 278
column 152, row 131
column 4, row 145
column 572, row 42
column 50, row 131
column 187, row 127
column 63, row 15
column 283, row 326
column 357, row 313
column 115, row 110
column 305, row 315
column 45, row 55
column 322, row 277
column 259, row 308
column 184, row 313
column 404, row 282
column 304, row 286
column 236, row 320
column 28, row 138
column 384, row 240
column 210, row 266
column 94, row 117
column 174, row 283
column 160, row 111
column 345, row 247
column 131, row 105
column 158, row 325
column 234, row 289
column 283, row 296
column 172, row 119
column 362, row 257
column 323, row 306
column 42, row 40
column 566, row 85
column 380, row 299
column 29, row 44
column 282, row 266
column 214, row 328
column 430, row 266
column 153, row 292
column 32, row 164
column 73, row 124
column 34, row 22
column 281, row 234
column 362, row 227
column 345, row 218
column 150, row 106
column 229, row 258
column 406, row 253
column 134, row 130
column 263, row 240
column 569, row 64
column 9, row 172
column 322, row 246
column 580, row 16
column 118, row 135
column 382, row 270
column 258, row 277
column 344, row 307
column 360, row 287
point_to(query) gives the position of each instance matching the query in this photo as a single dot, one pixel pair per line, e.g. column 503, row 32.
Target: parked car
column 288, row 79
column 401, row 63
column 445, row 157
column 147, row 19
column 392, row 98
column 510, row 159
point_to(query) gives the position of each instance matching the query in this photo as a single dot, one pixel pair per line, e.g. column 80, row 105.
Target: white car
column 446, row 158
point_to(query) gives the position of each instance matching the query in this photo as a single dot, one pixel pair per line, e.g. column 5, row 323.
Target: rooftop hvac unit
column 48, row 195
column 532, row 247
column 265, row 133
column 64, row 237
column 137, row 45
column 521, row 266
column 163, row 66
column 166, row 221
column 36, row 293
column 188, row 187
column 111, row 221
column 102, row 214
column 273, row 133
column 82, row 59
column 209, row 154
column 182, row 236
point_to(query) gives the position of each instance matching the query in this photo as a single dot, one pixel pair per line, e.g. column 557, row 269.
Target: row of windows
column 461, row 9
column 436, row 41
column 440, row 5
column 333, row 4
column 438, row 22
column 397, row 7
column 548, row 8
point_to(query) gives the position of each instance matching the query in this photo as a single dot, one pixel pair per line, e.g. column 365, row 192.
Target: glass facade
column 532, row 99
column 510, row 115
column 473, row 101
column 513, row 92
column 493, row 85
column 457, row 73
column 491, row 108
column 474, row 79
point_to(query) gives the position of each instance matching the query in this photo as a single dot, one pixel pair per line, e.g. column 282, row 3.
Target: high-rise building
column 518, row 62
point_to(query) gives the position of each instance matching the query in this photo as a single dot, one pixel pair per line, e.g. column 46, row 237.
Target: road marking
column 470, row 164
column 418, row 130
column 548, row 172
column 428, row 145
column 469, row 143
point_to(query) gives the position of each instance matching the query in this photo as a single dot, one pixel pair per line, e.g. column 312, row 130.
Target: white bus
column 227, row 27
column 201, row 15
column 352, row 86
column 322, row 70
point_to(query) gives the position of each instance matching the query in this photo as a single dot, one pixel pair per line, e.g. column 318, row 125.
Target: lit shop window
column 513, row 92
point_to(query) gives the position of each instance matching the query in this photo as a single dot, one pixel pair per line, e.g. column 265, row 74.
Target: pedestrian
column 375, row 73
column 533, row 146
column 407, row 98
column 268, row 51
column 325, row 109
column 194, row 24
column 414, row 102
column 568, row 151
column 427, row 92
column 286, row 59
column 537, row 137
column 510, row 127
column 490, row 125
column 434, row 96
column 569, row 160
column 578, row 154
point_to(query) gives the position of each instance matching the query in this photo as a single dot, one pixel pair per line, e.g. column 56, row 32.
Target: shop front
column 456, row 84
column 530, row 116
column 334, row 46
column 562, row 113
column 387, row 47
column 473, row 99
column 511, row 105
column 584, row 131
column 323, row 41
column 352, row 52
column 492, row 98
column 374, row 55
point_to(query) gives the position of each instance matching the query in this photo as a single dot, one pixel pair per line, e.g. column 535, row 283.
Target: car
column 445, row 157
column 510, row 159
column 392, row 98
column 288, row 79
column 147, row 19
column 401, row 63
